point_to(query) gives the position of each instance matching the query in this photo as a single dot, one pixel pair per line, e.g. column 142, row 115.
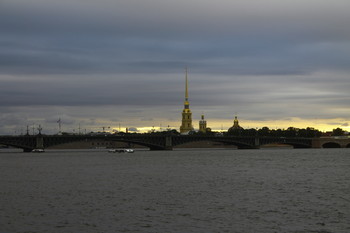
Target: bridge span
column 168, row 142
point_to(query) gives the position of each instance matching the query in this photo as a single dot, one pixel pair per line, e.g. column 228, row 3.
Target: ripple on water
column 176, row 191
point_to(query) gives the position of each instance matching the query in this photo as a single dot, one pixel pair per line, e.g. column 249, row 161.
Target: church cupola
column 236, row 127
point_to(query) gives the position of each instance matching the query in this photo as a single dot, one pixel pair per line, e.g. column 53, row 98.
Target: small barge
column 121, row 151
column 38, row 151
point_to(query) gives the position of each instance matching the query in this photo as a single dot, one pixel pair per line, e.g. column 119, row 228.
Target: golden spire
column 186, row 92
column 186, row 125
column 186, row 103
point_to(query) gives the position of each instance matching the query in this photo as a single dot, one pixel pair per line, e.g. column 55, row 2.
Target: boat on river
column 121, row 151
column 38, row 150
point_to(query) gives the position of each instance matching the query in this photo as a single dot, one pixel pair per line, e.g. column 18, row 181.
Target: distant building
column 186, row 125
column 202, row 125
column 235, row 126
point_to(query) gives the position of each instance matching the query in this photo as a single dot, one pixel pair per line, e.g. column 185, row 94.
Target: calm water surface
column 176, row 191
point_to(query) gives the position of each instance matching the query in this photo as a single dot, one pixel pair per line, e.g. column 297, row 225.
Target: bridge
column 168, row 142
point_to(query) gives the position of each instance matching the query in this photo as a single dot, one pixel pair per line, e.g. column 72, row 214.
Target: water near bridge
column 272, row 190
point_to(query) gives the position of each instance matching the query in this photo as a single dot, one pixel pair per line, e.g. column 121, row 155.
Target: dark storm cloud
column 119, row 36
column 134, row 57
column 84, row 91
column 257, row 56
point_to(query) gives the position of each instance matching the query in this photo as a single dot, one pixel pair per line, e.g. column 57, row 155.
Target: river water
column 271, row 190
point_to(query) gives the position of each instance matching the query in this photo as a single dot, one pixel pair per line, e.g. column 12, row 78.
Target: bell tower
column 202, row 125
column 186, row 124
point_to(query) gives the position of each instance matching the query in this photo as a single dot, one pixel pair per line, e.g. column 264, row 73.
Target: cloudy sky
column 95, row 63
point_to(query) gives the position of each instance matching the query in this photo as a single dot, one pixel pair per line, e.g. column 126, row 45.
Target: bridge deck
column 168, row 142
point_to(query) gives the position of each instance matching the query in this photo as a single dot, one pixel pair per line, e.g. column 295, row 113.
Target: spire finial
column 186, row 91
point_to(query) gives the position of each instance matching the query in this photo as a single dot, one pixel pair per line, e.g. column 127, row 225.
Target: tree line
column 288, row 133
column 262, row 132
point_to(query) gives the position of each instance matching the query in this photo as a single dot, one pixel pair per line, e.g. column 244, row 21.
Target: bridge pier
column 39, row 143
column 168, row 143
column 256, row 142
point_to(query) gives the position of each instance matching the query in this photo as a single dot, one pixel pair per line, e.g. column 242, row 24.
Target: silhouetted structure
column 186, row 125
column 168, row 142
column 202, row 125
column 235, row 129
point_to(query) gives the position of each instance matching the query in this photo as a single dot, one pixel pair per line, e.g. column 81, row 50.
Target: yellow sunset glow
column 323, row 125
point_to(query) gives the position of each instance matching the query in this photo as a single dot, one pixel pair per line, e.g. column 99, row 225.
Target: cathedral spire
column 186, row 91
column 186, row 103
column 186, row 125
